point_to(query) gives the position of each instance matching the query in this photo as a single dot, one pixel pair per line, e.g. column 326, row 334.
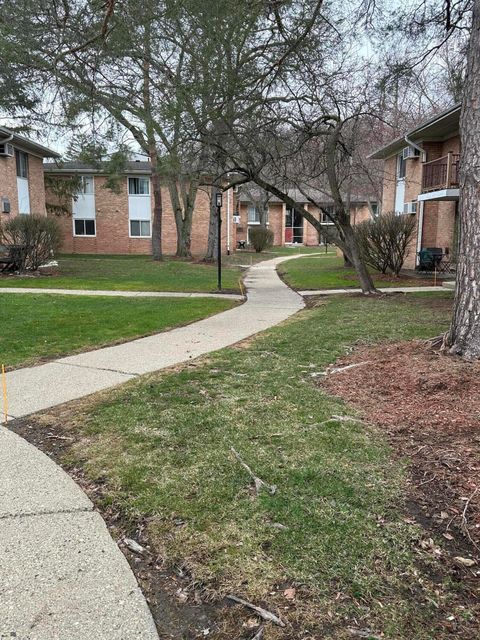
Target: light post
column 219, row 238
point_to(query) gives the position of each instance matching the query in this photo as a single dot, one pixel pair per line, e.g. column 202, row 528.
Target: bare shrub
column 261, row 238
column 34, row 239
column 384, row 241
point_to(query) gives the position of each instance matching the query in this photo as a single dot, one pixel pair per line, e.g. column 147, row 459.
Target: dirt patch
column 429, row 404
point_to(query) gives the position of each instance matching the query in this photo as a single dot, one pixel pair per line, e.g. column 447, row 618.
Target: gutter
column 9, row 139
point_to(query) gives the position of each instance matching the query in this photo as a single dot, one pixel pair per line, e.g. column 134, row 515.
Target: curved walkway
column 61, row 575
column 121, row 294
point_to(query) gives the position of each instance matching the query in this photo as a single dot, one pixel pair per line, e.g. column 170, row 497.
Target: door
column 400, row 184
column 293, row 227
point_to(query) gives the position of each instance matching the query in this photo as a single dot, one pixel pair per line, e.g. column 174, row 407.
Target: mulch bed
column 429, row 405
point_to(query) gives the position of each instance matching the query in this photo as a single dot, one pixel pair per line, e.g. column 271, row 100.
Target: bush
column 384, row 241
column 33, row 238
column 261, row 238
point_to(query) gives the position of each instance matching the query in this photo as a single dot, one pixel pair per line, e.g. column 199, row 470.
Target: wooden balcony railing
column 441, row 173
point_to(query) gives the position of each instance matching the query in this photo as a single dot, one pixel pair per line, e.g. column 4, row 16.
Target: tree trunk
column 352, row 254
column 183, row 212
column 463, row 337
column 211, row 255
column 157, row 208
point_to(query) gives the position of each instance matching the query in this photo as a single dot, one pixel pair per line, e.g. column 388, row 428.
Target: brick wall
column 8, row 185
column 389, row 182
column 276, row 222
column 112, row 224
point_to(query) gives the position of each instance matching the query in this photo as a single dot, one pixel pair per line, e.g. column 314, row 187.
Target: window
column 86, row 185
column 254, row 215
column 401, row 166
column 22, row 164
column 140, row 228
column 84, row 227
column 374, row 206
column 324, row 217
column 138, row 186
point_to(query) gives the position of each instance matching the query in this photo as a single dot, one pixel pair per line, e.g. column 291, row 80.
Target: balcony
column 440, row 178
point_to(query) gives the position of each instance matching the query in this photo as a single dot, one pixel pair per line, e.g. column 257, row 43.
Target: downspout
column 414, row 145
column 422, row 204
column 228, row 221
column 419, row 233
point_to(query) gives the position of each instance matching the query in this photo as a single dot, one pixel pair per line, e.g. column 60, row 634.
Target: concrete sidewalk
column 62, row 577
column 122, row 294
column 334, row 292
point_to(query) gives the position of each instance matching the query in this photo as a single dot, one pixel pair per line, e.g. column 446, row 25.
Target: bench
column 11, row 258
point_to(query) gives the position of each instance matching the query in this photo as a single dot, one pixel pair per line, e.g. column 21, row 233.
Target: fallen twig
column 335, row 418
column 258, row 482
column 263, row 613
column 345, row 368
column 464, row 518
column 259, row 634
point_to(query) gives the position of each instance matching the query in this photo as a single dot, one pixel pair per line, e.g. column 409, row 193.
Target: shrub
column 261, row 238
column 384, row 241
column 35, row 239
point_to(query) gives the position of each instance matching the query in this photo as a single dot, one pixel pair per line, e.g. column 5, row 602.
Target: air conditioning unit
column 7, row 150
column 410, row 153
column 410, row 207
column 236, row 219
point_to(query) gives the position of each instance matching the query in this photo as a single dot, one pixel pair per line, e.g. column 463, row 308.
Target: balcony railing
column 441, row 173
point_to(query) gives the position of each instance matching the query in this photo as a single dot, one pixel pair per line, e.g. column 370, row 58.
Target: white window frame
column 19, row 155
column 84, row 235
column 84, row 180
column 140, row 221
column 257, row 216
column 141, row 195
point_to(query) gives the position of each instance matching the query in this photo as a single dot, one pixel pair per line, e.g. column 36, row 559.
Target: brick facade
column 36, row 187
column 276, row 220
column 112, row 223
column 439, row 217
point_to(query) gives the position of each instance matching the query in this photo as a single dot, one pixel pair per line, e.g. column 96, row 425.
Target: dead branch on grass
column 465, row 521
column 263, row 613
column 258, row 482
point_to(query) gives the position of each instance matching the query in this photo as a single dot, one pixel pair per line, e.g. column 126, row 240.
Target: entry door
column 293, row 227
column 400, row 184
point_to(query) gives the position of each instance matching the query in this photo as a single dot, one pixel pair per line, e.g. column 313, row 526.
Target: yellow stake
column 5, row 402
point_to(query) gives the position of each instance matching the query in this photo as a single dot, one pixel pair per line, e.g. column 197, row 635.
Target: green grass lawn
column 160, row 447
column 129, row 273
column 43, row 326
column 328, row 272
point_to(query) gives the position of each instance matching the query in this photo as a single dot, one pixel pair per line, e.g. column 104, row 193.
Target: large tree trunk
column 211, row 255
column 157, row 207
column 463, row 337
column 183, row 211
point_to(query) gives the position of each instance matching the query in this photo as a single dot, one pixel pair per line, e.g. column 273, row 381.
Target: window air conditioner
column 6, row 150
column 410, row 152
column 410, row 207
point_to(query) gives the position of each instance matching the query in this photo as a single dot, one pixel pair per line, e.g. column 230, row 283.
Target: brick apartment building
column 22, row 187
column 101, row 220
column 421, row 180
column 288, row 226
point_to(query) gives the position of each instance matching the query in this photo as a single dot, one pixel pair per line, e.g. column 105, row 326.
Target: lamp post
column 219, row 238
